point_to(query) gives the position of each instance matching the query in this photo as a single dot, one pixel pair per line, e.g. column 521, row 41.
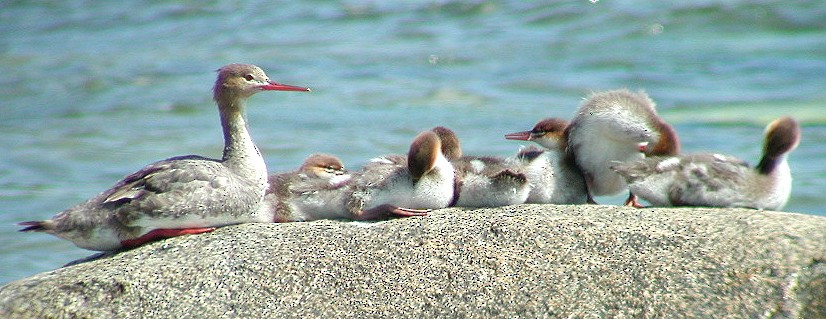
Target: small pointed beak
column 519, row 136
column 272, row 86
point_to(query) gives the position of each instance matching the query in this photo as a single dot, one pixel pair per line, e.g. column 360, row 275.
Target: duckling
column 411, row 186
column 312, row 192
column 719, row 180
column 554, row 177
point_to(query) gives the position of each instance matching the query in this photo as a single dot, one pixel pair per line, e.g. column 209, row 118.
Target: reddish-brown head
column 549, row 133
column 423, row 153
column 237, row 81
column 322, row 165
column 451, row 147
column 667, row 145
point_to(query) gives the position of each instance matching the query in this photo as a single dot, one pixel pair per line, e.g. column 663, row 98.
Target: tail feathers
column 36, row 225
column 631, row 171
column 620, row 168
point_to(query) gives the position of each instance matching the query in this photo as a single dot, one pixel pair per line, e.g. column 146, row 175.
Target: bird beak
column 272, row 86
column 519, row 136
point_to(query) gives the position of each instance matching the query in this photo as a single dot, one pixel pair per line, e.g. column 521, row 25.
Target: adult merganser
column 394, row 185
column 554, row 177
column 610, row 126
column 180, row 195
column 314, row 191
column 719, row 180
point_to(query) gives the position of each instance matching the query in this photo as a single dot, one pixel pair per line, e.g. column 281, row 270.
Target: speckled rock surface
column 528, row 261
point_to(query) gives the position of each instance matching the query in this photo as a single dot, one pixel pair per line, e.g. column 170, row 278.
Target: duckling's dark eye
column 249, row 77
column 333, row 169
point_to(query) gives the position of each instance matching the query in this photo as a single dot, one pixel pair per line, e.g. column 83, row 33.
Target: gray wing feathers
column 181, row 186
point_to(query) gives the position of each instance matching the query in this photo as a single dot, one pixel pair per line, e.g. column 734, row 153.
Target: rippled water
column 92, row 91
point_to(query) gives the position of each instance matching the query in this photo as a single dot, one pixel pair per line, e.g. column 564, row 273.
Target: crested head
column 423, row 153
column 550, row 125
column 782, row 136
column 549, row 132
column 240, row 81
column 322, row 165
column 451, row 147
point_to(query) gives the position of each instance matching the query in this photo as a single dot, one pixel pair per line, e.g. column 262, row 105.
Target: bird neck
column 240, row 153
column 771, row 164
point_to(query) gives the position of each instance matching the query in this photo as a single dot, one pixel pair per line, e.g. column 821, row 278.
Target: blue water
column 92, row 91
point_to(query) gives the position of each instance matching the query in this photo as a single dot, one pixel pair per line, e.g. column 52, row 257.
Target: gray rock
column 523, row 261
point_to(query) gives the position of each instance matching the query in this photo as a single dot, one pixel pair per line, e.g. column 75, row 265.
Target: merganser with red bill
column 180, row 195
column 554, row 178
column 610, row 127
column 718, row 180
column 403, row 186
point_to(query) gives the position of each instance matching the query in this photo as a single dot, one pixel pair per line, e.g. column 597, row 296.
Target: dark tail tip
column 33, row 225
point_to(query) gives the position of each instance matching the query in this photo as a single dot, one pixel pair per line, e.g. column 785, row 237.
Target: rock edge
column 525, row 261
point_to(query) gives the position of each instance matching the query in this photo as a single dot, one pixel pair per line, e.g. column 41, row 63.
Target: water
column 92, row 91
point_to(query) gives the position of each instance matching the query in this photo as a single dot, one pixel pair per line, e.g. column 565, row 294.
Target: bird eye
column 249, row 77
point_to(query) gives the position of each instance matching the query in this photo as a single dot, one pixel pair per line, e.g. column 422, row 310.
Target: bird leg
column 157, row 234
column 590, row 199
column 633, row 201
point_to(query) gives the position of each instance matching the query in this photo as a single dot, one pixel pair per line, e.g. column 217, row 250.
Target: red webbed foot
column 409, row 212
column 388, row 210
column 633, row 201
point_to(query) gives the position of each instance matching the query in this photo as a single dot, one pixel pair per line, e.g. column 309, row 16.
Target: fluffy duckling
column 484, row 181
column 554, row 177
column 312, row 192
column 718, row 180
column 411, row 186
column 611, row 126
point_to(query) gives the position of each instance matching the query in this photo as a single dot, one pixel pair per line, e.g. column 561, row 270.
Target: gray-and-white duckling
column 397, row 186
column 611, row 126
column 314, row 191
column 719, row 180
column 484, row 181
column 554, row 177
